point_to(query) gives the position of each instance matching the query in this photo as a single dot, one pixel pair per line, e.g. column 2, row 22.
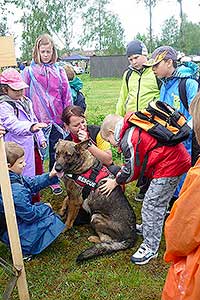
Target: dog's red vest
column 86, row 179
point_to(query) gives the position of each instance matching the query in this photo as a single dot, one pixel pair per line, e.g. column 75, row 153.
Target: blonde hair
column 195, row 113
column 13, row 152
column 108, row 125
column 70, row 72
column 44, row 39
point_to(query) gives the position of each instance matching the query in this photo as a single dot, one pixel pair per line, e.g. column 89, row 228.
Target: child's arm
column 25, row 210
column 12, row 123
column 127, row 171
column 40, row 182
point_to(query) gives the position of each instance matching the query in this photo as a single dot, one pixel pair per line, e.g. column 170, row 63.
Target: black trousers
column 54, row 136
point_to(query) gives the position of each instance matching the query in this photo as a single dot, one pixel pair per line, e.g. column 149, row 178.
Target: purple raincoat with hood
column 18, row 124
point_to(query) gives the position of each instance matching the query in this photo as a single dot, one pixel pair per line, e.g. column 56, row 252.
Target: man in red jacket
column 164, row 167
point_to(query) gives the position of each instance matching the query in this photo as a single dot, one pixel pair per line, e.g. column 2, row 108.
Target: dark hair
column 70, row 111
column 173, row 61
column 3, row 89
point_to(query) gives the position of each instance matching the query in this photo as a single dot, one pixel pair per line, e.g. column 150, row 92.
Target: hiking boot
column 143, row 255
column 56, row 189
column 139, row 197
column 139, row 229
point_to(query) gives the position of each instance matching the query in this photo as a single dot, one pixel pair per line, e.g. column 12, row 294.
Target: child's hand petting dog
column 108, row 186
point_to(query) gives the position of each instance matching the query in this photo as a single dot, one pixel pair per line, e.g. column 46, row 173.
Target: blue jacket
column 169, row 92
column 38, row 225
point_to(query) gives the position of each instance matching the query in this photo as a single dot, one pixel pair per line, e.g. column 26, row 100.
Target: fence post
column 12, row 224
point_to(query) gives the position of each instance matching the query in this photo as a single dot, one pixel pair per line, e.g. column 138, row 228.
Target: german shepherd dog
column 112, row 217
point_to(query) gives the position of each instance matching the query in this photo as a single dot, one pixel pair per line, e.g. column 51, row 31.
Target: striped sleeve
column 126, row 174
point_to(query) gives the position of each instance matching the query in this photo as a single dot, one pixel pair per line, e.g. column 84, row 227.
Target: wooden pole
column 12, row 224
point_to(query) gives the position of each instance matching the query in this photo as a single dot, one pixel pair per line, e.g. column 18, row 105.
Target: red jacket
column 164, row 161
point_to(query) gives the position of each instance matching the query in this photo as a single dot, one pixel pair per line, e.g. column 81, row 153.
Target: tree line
column 100, row 29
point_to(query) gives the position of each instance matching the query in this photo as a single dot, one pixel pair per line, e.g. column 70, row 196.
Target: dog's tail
column 104, row 248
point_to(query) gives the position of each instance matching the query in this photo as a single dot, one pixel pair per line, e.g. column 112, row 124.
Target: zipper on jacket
column 138, row 92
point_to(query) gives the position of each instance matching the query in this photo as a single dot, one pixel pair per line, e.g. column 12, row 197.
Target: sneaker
column 139, row 229
column 139, row 197
column 143, row 255
column 56, row 189
column 27, row 257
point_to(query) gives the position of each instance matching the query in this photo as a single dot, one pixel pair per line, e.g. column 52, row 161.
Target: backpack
column 16, row 112
column 80, row 100
column 183, row 93
column 164, row 123
column 183, row 97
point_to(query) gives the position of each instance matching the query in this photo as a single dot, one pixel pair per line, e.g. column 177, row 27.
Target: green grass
column 54, row 274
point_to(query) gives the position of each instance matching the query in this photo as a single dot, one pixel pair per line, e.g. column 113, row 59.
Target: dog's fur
column 112, row 217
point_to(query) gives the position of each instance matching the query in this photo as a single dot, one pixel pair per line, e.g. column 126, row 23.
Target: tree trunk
column 150, row 28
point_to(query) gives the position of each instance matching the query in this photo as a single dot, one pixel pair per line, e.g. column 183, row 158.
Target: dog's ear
column 59, row 140
column 57, row 143
column 82, row 146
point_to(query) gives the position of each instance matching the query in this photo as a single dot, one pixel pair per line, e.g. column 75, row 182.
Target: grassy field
column 54, row 274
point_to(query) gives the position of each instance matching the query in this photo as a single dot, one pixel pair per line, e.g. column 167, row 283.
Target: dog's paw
column 94, row 239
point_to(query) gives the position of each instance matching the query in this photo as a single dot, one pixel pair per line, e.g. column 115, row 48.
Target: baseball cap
column 13, row 79
column 161, row 53
column 136, row 47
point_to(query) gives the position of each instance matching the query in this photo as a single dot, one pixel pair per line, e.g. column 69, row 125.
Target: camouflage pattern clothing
column 154, row 209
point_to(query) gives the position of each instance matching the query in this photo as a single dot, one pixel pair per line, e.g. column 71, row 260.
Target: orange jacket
column 182, row 234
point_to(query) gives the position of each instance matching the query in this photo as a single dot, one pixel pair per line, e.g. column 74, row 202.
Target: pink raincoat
column 49, row 91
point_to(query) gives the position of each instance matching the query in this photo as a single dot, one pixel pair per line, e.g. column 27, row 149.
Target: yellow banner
column 7, row 52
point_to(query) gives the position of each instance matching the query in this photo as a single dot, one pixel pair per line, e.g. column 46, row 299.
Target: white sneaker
column 139, row 229
column 143, row 255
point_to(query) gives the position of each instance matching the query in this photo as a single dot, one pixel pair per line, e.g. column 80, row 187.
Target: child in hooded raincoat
column 38, row 225
column 164, row 65
column 18, row 118
column 182, row 232
column 76, row 85
column 49, row 91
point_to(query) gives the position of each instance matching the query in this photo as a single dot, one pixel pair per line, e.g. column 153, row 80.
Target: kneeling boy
column 38, row 225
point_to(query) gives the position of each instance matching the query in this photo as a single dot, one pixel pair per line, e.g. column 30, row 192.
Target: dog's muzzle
column 58, row 167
